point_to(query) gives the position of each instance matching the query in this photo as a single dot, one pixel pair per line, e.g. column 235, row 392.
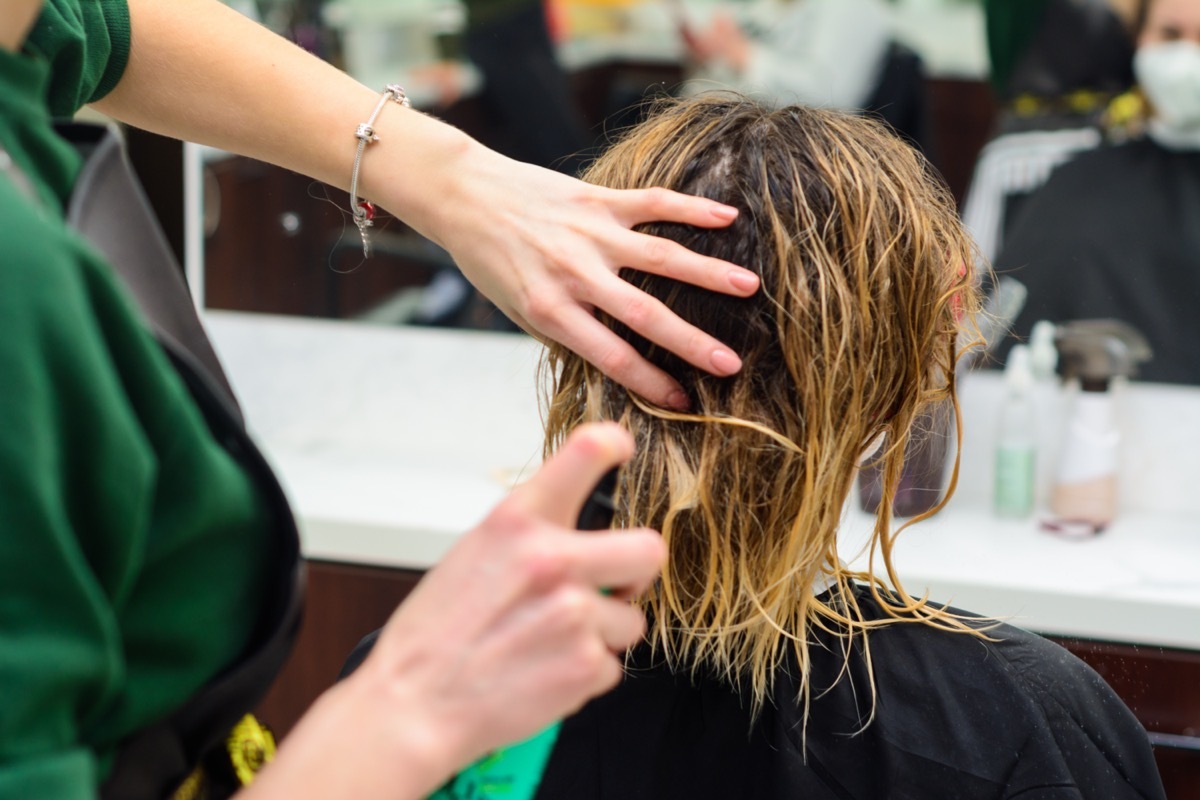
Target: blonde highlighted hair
column 866, row 281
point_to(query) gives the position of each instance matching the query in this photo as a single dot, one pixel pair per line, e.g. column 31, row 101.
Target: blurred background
column 552, row 81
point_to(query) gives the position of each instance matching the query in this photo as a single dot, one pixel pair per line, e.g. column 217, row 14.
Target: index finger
column 626, row 561
column 664, row 257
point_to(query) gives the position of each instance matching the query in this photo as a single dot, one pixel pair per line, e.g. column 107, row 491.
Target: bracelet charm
column 364, row 210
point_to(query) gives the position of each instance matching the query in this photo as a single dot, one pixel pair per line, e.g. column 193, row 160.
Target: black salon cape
column 956, row 717
column 1116, row 233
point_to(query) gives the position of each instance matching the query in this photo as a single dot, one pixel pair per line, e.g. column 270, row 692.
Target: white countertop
column 389, row 441
column 392, row 441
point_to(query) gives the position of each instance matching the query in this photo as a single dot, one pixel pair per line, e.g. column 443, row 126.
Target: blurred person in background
column 825, row 53
column 1116, row 232
column 525, row 89
column 1058, row 69
column 1056, row 63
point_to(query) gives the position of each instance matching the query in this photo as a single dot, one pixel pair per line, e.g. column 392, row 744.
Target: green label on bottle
column 1014, row 481
column 511, row 773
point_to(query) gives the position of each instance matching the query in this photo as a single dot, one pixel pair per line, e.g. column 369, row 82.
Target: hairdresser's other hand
column 445, row 78
column 726, row 41
column 723, row 41
column 546, row 249
column 508, row 633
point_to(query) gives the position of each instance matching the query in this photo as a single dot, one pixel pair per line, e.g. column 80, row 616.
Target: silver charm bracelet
column 364, row 210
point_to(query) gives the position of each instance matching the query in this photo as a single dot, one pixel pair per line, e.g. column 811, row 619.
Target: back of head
column 864, row 276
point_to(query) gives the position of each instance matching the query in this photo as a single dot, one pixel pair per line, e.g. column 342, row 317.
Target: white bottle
column 1085, row 492
column 1016, row 443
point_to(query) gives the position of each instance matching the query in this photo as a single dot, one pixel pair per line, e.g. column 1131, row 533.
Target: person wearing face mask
column 1114, row 233
column 1168, row 69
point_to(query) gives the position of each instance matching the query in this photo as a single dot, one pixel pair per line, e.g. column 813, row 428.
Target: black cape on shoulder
column 955, row 717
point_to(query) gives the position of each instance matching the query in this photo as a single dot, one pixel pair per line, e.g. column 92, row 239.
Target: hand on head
column 547, row 248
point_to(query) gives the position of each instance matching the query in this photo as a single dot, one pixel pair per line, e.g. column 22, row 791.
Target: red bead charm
column 368, row 208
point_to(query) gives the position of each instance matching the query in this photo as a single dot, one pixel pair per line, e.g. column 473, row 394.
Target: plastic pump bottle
column 1093, row 352
column 1016, row 450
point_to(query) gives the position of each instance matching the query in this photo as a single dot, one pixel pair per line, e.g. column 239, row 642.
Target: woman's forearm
column 345, row 747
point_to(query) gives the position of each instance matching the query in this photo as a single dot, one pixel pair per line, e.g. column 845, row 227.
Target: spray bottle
column 1093, row 353
column 1016, row 449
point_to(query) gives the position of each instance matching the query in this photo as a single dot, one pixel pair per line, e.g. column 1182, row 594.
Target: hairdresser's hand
column 445, row 78
column 508, row 633
column 546, row 249
column 725, row 41
column 729, row 41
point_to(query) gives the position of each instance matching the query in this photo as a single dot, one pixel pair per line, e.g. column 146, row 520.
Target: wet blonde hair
column 866, row 276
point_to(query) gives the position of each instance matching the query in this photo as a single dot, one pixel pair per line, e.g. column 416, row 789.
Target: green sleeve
column 132, row 546
column 87, row 45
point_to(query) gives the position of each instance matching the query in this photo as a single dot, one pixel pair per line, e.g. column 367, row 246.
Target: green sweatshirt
column 131, row 544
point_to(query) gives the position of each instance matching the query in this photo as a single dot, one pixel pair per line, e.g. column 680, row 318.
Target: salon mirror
column 263, row 239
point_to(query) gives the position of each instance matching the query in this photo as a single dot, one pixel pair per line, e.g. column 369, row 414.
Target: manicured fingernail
column 726, row 213
column 678, row 401
column 725, row 362
column 743, row 280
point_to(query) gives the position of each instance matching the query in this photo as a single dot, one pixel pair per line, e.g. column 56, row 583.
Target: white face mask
column 1169, row 74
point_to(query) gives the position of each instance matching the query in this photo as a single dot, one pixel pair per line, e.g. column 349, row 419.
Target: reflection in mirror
column 263, row 239
column 1097, row 210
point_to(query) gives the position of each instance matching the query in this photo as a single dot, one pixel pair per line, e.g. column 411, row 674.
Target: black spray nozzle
column 1097, row 350
column 597, row 512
